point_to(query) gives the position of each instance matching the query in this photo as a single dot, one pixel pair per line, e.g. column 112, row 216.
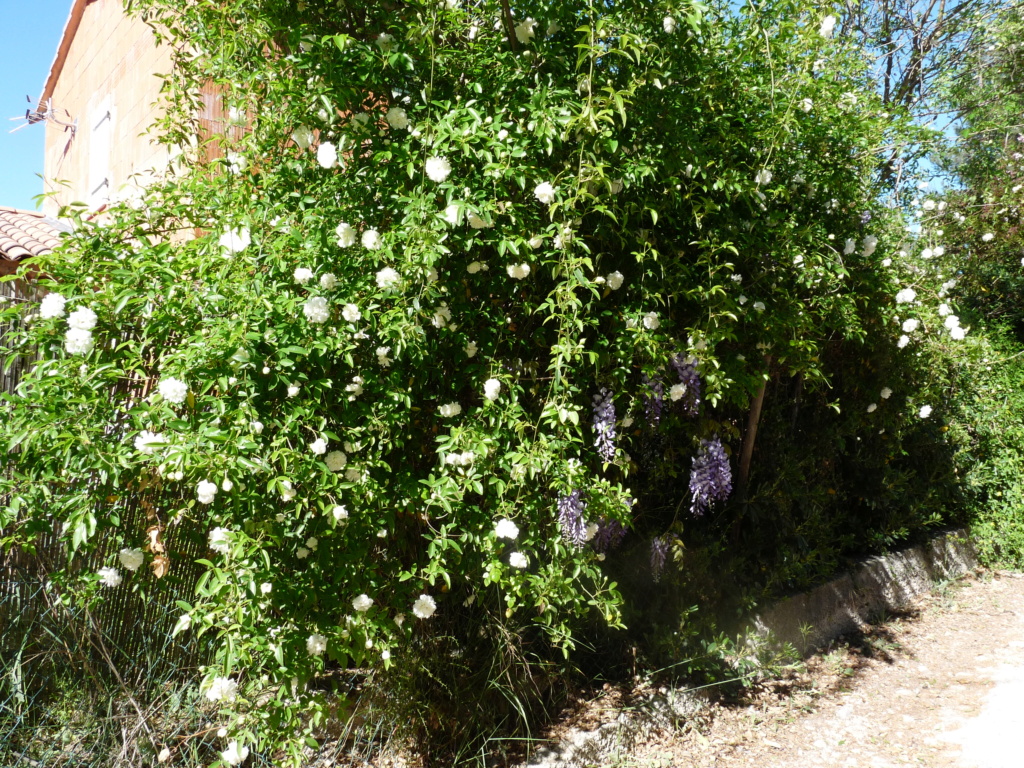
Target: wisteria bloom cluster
column 710, row 476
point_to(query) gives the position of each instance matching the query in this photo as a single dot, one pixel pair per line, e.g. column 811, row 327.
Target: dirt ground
column 940, row 686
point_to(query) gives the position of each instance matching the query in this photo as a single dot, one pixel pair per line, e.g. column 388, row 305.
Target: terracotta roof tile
column 26, row 233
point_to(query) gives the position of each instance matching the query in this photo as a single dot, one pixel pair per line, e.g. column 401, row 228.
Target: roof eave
column 70, row 28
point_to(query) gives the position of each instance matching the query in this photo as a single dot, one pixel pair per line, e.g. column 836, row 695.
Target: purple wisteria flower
column 710, row 476
column 609, row 535
column 570, row 518
column 865, row 217
column 654, row 400
column 604, row 424
column 686, row 367
column 659, row 553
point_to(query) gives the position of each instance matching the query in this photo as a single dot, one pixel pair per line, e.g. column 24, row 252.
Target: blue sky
column 32, row 30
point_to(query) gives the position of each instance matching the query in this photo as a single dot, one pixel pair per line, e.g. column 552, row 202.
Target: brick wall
column 108, row 84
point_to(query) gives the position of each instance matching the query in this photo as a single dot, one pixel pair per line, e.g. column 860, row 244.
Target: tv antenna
column 44, row 113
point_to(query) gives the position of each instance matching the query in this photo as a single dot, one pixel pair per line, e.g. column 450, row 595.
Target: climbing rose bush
column 397, row 361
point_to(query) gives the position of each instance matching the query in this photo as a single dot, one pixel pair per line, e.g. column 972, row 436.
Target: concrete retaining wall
column 888, row 583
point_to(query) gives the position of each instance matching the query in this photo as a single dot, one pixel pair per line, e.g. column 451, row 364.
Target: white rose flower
column 506, row 529
column 544, row 192
column 677, row 391
column 492, row 388
column 382, row 357
column 388, row 279
column 987, row 237
column 906, row 296
column 470, row 349
column 318, row 446
column 614, row 280
column 535, row 242
column 52, row 306
column 302, row 275
column 517, row 560
column 397, row 118
column 234, row 754
column 83, row 319
column 450, row 409
column 764, row 176
column 424, row 607
column 872, row 408
column 336, row 461
column 316, row 645
column 222, row 689
column 886, row 393
column 302, row 553
column 351, row 313
column 355, row 389
column 827, row 25
column 385, row 42
column 910, row 325
column 362, row 603
column 317, row 310
column 173, row 390
column 453, row 214
column 952, row 321
column 903, row 341
column 327, row 155
column 328, row 281
column 293, row 390
column 759, row 306
column 226, row 485
column 849, row 247
column 219, row 540
column 806, row 105
column 473, row 267
column 372, row 240
column 346, row 235
column 339, row 513
column 353, row 475
column 518, row 271
column 147, row 442
column 651, row 321
column 868, row 245
column 524, row 31
column 109, row 577
column 236, row 163
column 669, row 25
column 257, row 427
column 438, row 169
column 442, row 316
column 205, row 492
column 131, row 559
column 235, row 240
column 478, row 222
column 957, row 333
column 925, row 412
column 287, row 491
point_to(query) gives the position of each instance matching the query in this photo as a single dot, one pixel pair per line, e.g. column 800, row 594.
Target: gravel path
column 942, row 687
